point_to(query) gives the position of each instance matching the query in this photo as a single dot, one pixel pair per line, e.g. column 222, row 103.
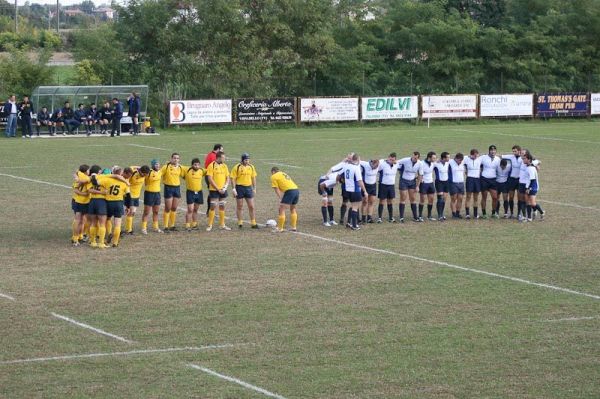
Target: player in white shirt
column 502, row 175
column 489, row 165
column 473, row 186
column 345, row 199
column 441, row 183
column 513, row 179
column 524, row 180
column 531, row 188
column 427, row 186
column 355, row 188
column 369, row 171
column 456, row 177
column 387, row 191
column 325, row 189
column 409, row 181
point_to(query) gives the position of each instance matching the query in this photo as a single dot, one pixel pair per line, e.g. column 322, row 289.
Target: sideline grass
column 324, row 320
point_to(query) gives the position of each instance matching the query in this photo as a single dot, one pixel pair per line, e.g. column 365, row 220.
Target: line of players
column 491, row 175
column 101, row 198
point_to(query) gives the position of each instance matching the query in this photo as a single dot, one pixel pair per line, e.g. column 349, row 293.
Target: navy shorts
column 407, row 184
column 244, row 192
column 79, row 208
column 327, row 191
column 502, row 187
column 291, row 197
column 426, row 188
column 129, row 202
column 386, row 191
column 488, row 184
column 345, row 195
column 513, row 183
column 194, row 197
column 442, row 186
column 522, row 188
column 355, row 196
column 172, row 191
column 114, row 209
column 457, row 188
column 473, row 184
column 97, row 206
column 217, row 195
column 371, row 189
column 151, row 199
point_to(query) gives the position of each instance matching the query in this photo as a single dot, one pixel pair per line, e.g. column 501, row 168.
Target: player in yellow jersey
column 152, row 197
column 97, row 207
column 171, row 174
column 193, row 195
column 288, row 194
column 79, row 202
column 136, row 177
column 116, row 190
column 243, row 181
column 218, row 180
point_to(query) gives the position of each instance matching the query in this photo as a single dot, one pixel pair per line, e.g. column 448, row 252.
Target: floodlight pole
column 57, row 16
column 16, row 17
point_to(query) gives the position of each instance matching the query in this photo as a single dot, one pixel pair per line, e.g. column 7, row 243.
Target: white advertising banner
column 506, row 105
column 328, row 109
column 374, row 108
column 200, row 111
column 595, row 100
column 460, row 106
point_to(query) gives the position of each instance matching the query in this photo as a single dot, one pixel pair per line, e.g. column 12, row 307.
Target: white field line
column 150, row 147
column 237, row 381
column 571, row 205
column 16, row 167
column 106, row 354
column 87, row 326
column 282, row 164
column 572, row 319
column 452, row 266
column 5, row 296
column 35, row 181
column 527, row 137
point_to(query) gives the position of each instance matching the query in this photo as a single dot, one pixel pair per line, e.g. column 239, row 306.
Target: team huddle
column 103, row 197
column 460, row 178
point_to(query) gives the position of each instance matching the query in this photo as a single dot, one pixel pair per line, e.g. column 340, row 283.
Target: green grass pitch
column 329, row 313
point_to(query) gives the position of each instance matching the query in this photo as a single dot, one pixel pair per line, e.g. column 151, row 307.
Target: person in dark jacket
column 26, row 111
column 92, row 118
column 80, row 117
column 105, row 117
column 69, row 117
column 135, row 105
column 117, row 114
column 43, row 119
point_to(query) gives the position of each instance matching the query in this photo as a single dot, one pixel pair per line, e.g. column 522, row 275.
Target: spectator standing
column 11, row 109
column 26, row 109
column 135, row 104
column 117, row 114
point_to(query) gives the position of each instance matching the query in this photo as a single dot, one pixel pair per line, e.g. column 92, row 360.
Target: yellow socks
column 75, row 231
column 240, row 222
column 108, row 226
column 294, row 220
column 221, row 218
column 194, row 224
column 188, row 225
column 144, row 225
column 281, row 222
column 129, row 223
column 101, row 235
column 166, row 219
column 155, row 225
column 253, row 222
column 172, row 218
column 93, row 234
column 211, row 217
column 116, row 235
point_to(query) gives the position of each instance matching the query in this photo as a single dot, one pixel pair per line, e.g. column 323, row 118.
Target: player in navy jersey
column 427, row 187
column 473, row 186
column 441, row 184
column 489, row 165
column 456, row 179
column 386, row 191
column 409, row 181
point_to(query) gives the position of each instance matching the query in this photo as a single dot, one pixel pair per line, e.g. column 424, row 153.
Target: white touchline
column 105, row 354
column 35, row 181
column 237, row 381
column 283, row 164
column 572, row 319
column 7, row 296
column 150, row 147
column 16, row 167
column 99, row 331
column 571, row 205
column 527, row 137
column 445, row 264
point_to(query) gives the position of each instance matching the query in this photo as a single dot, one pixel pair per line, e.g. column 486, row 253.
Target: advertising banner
column 265, row 110
column 374, row 108
column 506, row 105
column 595, row 103
column 459, row 106
column 328, row 109
column 200, row 111
column 561, row 104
